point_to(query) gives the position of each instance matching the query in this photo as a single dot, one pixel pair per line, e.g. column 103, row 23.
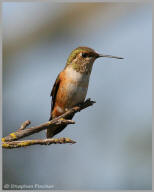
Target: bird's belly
column 75, row 94
column 68, row 96
column 72, row 90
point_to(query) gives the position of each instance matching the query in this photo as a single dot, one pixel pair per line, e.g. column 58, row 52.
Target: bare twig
column 30, row 131
column 25, row 143
column 24, row 125
column 8, row 141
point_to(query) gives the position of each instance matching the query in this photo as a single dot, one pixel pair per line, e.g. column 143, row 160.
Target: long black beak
column 110, row 56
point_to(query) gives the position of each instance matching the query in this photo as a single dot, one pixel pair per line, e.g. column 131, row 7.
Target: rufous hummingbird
column 71, row 85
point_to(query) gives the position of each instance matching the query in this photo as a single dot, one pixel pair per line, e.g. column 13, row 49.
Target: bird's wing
column 54, row 91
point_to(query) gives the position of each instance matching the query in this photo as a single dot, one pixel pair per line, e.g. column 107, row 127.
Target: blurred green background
column 114, row 137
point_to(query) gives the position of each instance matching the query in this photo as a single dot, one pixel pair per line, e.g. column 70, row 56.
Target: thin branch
column 8, row 141
column 30, row 131
column 25, row 143
column 24, row 125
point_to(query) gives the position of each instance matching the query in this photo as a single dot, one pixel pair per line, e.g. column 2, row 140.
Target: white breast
column 76, row 76
column 78, row 86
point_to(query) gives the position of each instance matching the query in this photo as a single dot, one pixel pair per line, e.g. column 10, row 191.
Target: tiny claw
column 80, row 104
column 88, row 99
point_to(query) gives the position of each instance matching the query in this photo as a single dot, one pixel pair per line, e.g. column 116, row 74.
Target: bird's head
column 82, row 58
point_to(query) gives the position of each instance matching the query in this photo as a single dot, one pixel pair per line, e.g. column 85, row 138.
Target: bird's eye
column 84, row 55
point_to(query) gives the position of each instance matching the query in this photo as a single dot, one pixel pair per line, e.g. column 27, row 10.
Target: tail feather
column 56, row 129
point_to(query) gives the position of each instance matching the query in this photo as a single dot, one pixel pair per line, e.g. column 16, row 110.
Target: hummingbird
column 71, row 85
